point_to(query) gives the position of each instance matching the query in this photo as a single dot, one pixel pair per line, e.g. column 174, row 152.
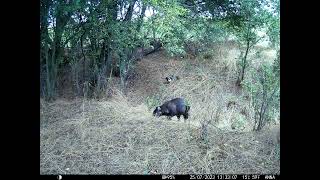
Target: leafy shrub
column 264, row 89
column 239, row 123
column 152, row 102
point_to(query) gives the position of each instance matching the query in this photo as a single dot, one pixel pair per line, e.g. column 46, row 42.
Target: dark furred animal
column 174, row 107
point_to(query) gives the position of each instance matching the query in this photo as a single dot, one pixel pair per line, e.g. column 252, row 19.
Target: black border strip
column 191, row 176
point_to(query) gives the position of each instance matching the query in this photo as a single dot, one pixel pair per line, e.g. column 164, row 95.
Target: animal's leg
column 185, row 116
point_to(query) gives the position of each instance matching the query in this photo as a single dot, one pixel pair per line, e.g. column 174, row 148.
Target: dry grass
column 120, row 135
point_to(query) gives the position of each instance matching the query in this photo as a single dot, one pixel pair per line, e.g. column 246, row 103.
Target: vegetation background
column 103, row 65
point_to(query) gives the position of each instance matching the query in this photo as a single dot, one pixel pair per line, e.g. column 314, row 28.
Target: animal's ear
column 158, row 108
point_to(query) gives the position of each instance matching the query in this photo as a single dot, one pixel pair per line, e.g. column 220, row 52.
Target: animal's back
column 177, row 101
column 176, row 105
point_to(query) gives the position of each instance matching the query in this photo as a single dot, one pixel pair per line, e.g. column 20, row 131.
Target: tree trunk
column 245, row 61
column 62, row 19
column 130, row 11
column 53, row 58
column 48, row 79
column 105, row 61
column 44, row 35
column 44, row 44
column 144, row 7
column 85, row 74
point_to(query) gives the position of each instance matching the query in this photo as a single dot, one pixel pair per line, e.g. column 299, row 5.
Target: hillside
column 119, row 135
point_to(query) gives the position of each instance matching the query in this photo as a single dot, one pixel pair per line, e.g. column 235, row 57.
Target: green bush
column 239, row 123
column 264, row 88
column 152, row 102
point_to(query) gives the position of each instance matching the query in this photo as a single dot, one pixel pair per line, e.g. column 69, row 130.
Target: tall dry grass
column 115, row 137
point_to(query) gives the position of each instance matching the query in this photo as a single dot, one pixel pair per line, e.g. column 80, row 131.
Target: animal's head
column 157, row 112
column 169, row 79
